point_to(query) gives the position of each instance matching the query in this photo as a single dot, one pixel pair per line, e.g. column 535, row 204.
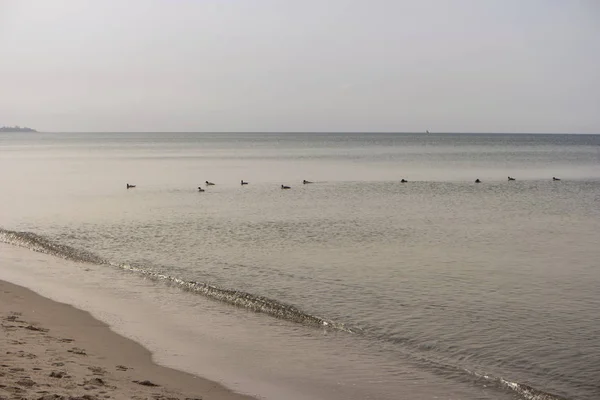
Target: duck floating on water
column 477, row 180
column 209, row 183
column 555, row 178
column 403, row 181
column 130, row 186
column 305, row 182
column 243, row 183
column 510, row 178
column 285, row 187
column 200, row 189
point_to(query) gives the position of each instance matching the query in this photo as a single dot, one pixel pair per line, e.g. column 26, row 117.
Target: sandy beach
column 51, row 350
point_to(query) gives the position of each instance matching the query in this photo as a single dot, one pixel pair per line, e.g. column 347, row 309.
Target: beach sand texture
column 53, row 351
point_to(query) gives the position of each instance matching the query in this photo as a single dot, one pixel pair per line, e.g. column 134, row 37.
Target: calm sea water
column 356, row 286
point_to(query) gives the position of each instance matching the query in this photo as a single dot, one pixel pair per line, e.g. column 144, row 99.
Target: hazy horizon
column 316, row 132
column 269, row 66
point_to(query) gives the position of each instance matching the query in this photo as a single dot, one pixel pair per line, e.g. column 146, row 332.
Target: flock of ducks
column 242, row 182
column 510, row 178
column 304, row 182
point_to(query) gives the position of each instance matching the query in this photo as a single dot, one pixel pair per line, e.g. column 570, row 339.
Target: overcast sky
column 303, row 65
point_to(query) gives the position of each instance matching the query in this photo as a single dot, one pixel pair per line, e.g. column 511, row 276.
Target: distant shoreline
column 8, row 129
column 16, row 129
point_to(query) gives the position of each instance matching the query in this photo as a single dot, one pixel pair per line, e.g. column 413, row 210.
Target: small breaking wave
column 528, row 392
column 40, row 244
column 524, row 391
column 245, row 300
column 256, row 303
column 261, row 304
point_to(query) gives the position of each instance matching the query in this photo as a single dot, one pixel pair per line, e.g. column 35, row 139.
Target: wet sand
column 53, row 351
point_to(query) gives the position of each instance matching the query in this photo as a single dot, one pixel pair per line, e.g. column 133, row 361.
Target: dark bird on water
column 555, row 178
column 510, row 178
column 477, row 180
column 285, row 187
column 305, row 182
column 243, row 183
column 403, row 181
column 200, row 189
column 209, row 183
column 130, row 186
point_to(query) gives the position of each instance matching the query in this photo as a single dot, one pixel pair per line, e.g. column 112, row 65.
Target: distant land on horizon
column 16, row 129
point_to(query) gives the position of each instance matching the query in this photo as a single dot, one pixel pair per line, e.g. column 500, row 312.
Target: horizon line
column 323, row 132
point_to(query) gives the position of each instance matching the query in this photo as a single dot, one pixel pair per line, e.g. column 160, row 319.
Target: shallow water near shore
column 356, row 286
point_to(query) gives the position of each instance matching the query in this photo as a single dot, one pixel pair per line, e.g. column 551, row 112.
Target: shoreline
column 56, row 351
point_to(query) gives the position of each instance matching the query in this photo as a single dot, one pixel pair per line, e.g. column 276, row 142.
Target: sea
column 354, row 286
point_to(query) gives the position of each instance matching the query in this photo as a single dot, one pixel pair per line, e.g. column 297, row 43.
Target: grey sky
column 277, row 65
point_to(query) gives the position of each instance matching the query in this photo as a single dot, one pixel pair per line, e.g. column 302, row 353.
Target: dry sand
column 50, row 350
